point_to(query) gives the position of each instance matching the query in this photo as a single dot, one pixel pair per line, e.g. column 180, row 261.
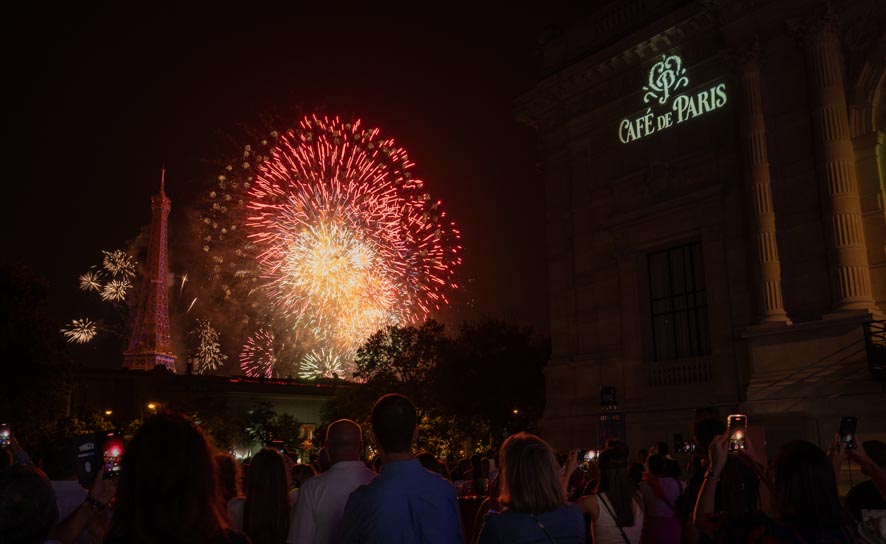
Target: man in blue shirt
column 405, row 504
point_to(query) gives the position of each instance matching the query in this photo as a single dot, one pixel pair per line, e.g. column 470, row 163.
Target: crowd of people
column 173, row 488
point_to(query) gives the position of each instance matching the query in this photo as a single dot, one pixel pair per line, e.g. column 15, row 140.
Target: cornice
column 550, row 98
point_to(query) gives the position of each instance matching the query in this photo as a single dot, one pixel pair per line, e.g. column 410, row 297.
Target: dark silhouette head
column 618, row 444
column 228, row 476
column 805, row 487
column 27, row 505
column 429, row 462
column 705, row 431
column 394, row 423
column 60, row 459
column 301, row 473
column 168, row 490
column 656, row 464
column 672, row 469
column 266, row 511
column 344, row 441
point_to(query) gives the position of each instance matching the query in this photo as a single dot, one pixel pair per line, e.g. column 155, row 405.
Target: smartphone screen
column 112, row 453
column 581, row 457
column 5, row 435
column 847, row 431
column 737, row 428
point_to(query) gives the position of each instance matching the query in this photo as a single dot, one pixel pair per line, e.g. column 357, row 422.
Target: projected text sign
column 666, row 79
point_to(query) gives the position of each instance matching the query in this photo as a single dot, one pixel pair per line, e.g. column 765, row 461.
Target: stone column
column 850, row 274
column 762, row 222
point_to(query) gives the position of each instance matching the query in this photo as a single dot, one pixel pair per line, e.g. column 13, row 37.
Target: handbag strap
column 605, row 503
column 542, row 527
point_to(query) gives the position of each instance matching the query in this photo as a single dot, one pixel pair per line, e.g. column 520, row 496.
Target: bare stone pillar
column 850, row 273
column 768, row 268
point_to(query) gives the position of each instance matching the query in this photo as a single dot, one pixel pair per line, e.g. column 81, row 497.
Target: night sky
column 101, row 97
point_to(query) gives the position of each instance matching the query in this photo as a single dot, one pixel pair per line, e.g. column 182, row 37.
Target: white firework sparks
column 118, row 263
column 80, row 331
column 321, row 363
column 91, row 281
column 115, row 290
column 209, row 355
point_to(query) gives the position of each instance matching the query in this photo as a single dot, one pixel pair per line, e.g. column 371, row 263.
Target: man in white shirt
column 321, row 500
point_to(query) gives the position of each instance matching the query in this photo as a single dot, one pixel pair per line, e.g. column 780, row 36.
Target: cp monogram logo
column 666, row 77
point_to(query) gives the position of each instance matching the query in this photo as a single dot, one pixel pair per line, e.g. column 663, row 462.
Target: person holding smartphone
column 805, row 506
column 868, row 498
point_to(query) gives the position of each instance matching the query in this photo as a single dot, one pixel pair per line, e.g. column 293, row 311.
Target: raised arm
column 869, row 467
column 704, row 505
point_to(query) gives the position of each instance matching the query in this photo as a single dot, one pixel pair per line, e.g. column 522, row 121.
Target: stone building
column 714, row 177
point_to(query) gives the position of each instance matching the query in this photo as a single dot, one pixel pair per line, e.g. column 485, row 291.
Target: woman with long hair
column 533, row 497
column 616, row 507
column 168, row 490
column 805, row 506
column 265, row 512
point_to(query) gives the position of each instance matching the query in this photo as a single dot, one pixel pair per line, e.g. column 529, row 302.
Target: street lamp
column 109, row 412
column 152, row 406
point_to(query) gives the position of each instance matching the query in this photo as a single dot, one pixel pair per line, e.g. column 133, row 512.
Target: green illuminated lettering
column 720, row 91
column 703, row 105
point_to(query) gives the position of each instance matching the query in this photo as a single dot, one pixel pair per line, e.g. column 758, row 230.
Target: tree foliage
column 466, row 386
column 33, row 358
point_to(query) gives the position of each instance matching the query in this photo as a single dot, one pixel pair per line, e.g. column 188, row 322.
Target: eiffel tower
column 151, row 345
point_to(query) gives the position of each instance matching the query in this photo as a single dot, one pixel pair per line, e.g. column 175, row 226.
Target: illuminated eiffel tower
column 151, row 345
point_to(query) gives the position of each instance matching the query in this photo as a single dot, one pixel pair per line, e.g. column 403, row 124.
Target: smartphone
column 737, row 429
column 585, row 457
column 847, row 431
column 5, row 435
column 86, row 458
column 112, row 452
column 582, row 463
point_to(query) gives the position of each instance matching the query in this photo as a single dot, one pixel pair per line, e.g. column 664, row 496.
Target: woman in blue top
column 533, row 497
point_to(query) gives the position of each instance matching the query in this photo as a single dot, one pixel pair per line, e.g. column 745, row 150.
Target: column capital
column 813, row 28
column 746, row 57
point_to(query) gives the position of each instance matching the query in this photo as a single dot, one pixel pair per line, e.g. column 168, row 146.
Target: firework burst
column 346, row 239
column 320, row 362
column 115, row 290
column 258, row 357
column 209, row 355
column 91, row 281
column 79, row 331
column 118, row 263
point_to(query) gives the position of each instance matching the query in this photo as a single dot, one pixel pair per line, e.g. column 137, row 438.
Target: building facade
column 716, row 235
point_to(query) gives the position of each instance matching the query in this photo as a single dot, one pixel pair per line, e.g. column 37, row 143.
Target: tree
column 494, row 369
column 287, row 428
column 264, row 425
column 34, row 363
column 259, row 423
column 400, row 359
column 465, row 387
column 224, row 430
